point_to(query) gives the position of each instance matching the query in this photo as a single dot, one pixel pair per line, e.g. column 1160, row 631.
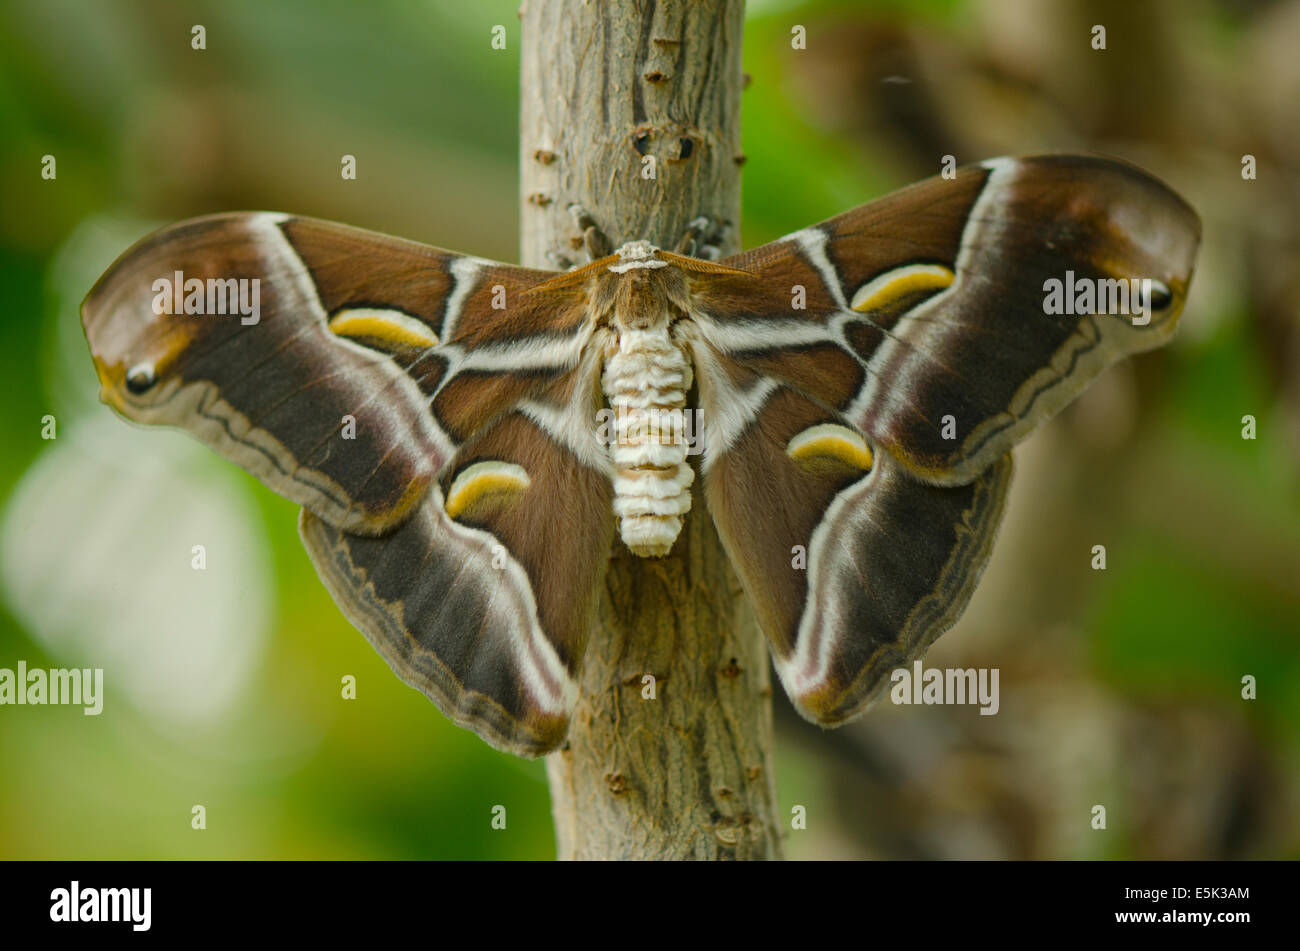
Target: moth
column 858, row 386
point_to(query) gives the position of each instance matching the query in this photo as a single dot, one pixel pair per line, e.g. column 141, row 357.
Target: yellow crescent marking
column 880, row 292
column 830, row 439
column 392, row 327
column 484, row 479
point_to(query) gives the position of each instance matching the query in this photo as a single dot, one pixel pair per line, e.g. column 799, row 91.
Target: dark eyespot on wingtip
column 1161, row 295
column 140, row 378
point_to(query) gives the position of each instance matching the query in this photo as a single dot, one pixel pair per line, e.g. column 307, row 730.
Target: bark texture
column 631, row 109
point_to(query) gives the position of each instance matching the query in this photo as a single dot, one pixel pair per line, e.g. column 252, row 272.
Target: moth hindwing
column 466, row 438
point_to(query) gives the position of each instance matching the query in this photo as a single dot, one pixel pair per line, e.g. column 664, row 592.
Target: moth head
column 637, row 256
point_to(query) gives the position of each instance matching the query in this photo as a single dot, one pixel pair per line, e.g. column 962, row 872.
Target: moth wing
column 315, row 360
column 481, row 600
column 854, row 565
column 433, row 413
column 922, row 318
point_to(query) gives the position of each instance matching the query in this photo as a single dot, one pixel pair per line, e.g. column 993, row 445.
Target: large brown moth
column 858, row 386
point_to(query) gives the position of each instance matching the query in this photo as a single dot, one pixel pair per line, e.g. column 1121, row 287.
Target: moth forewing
column 270, row 395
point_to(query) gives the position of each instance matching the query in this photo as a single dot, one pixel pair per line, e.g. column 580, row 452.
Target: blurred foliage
column 1119, row 687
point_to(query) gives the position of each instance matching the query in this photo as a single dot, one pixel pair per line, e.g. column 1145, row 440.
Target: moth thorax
column 646, row 379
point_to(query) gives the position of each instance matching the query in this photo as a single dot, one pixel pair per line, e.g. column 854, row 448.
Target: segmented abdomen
column 645, row 380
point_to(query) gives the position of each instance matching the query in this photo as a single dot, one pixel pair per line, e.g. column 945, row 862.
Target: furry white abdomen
column 646, row 379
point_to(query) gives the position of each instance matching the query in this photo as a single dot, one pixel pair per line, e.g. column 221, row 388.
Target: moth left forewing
column 308, row 353
column 255, row 371
column 494, row 334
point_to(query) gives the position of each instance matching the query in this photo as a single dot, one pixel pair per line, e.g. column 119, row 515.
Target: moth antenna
column 701, row 266
column 574, row 276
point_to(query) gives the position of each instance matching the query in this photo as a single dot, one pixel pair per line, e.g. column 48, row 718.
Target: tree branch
column 611, row 91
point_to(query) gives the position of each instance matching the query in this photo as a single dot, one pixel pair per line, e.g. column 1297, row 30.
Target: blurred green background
column 1119, row 687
